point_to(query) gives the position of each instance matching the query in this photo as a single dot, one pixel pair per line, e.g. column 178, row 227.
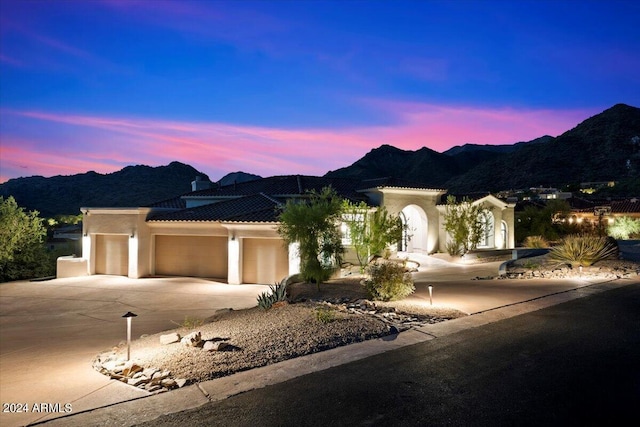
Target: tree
column 313, row 223
column 549, row 221
column 22, row 253
column 466, row 225
column 370, row 231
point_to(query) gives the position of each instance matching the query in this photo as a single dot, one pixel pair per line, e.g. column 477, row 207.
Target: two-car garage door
column 264, row 261
column 195, row 256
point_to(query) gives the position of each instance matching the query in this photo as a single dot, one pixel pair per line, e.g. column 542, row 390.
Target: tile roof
column 627, row 206
column 283, row 186
column 258, row 200
column 393, row 183
column 255, row 208
column 173, row 203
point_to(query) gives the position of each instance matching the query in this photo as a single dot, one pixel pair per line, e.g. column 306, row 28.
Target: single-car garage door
column 112, row 254
column 194, row 256
column 264, row 261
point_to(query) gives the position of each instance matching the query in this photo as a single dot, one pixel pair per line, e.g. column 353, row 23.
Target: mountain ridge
column 604, row 147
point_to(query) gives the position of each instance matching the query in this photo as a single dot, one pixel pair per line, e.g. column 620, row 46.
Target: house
column 229, row 232
column 602, row 213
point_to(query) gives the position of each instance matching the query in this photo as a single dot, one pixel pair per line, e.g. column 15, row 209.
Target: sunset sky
column 286, row 87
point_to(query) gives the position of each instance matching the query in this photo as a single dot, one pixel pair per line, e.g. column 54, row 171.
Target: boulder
column 194, row 339
column 169, row 338
column 214, row 345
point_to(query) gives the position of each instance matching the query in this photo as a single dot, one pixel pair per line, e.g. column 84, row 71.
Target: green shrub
column 454, row 248
column 583, row 249
column 388, row 281
column 278, row 293
column 536, row 242
column 190, row 322
column 325, row 314
column 623, row 228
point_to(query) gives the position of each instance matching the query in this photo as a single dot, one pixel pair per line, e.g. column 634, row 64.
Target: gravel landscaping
column 544, row 267
column 337, row 315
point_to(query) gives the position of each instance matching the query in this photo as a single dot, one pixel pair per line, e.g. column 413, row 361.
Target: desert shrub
column 388, row 281
column 583, row 249
column 190, row 322
column 624, row 227
column 536, row 242
column 278, row 293
column 325, row 315
column 454, row 248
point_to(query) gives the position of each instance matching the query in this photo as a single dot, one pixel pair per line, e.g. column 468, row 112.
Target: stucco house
column 229, row 232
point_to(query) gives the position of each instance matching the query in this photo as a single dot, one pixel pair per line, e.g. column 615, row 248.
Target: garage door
column 195, row 256
column 264, row 261
column 112, row 254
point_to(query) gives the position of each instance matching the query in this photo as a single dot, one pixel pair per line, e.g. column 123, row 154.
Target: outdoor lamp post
column 129, row 315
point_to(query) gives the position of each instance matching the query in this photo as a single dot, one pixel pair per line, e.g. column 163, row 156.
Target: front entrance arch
column 416, row 225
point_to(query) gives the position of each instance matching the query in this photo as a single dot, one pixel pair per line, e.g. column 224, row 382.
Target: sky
column 298, row 87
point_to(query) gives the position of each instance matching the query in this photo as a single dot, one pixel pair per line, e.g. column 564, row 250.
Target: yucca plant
column 536, row 242
column 278, row 293
column 583, row 249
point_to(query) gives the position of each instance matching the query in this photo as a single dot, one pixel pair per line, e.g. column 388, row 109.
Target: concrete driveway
column 468, row 287
column 50, row 331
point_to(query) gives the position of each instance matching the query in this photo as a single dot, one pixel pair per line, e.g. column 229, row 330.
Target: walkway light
column 430, row 295
column 129, row 315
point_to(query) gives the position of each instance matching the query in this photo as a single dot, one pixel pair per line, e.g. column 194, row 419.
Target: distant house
column 229, row 232
column 604, row 212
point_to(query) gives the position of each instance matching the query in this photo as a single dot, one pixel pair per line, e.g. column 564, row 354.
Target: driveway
column 50, row 331
column 469, row 288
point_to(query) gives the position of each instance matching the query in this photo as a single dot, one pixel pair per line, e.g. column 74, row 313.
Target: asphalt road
column 575, row 363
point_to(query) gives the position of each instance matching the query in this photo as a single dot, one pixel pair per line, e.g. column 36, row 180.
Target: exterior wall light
column 129, row 315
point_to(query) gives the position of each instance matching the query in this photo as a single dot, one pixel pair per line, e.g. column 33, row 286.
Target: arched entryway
column 416, row 225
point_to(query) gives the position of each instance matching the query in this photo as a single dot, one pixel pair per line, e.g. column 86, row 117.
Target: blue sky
column 279, row 87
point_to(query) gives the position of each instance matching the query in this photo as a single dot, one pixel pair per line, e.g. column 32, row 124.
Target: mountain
column 131, row 186
column 237, row 178
column 423, row 165
column 474, row 148
column 605, row 147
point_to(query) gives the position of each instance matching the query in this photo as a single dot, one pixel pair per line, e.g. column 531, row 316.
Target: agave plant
column 278, row 293
column 583, row 250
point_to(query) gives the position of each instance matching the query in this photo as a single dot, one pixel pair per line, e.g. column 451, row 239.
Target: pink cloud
column 106, row 144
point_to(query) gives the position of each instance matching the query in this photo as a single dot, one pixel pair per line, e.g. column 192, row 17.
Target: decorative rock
column 194, row 339
column 169, row 338
column 181, row 382
column 137, row 381
column 214, row 345
column 168, row 383
column 131, row 368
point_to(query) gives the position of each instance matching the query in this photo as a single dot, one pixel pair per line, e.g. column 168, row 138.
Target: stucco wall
column 397, row 199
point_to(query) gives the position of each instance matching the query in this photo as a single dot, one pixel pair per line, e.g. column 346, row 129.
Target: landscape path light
column 430, row 295
column 129, row 315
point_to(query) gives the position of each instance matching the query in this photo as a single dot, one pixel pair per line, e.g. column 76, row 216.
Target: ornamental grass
column 584, row 249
